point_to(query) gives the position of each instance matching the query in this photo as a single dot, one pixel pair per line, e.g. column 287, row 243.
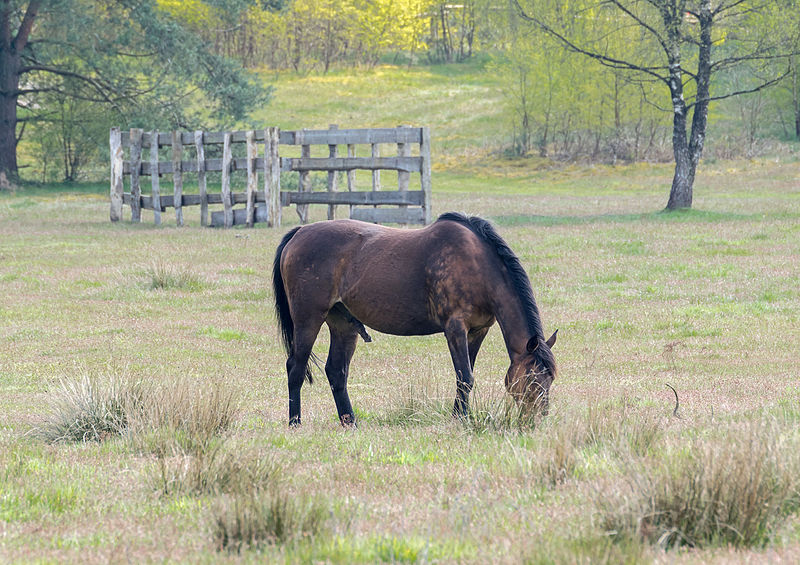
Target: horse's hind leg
column 297, row 366
column 344, row 336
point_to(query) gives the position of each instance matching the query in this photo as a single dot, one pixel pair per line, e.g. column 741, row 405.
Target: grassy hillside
column 143, row 399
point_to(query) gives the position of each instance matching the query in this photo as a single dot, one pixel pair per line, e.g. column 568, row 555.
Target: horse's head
column 530, row 375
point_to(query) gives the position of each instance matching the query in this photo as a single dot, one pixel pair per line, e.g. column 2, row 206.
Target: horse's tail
column 285, row 322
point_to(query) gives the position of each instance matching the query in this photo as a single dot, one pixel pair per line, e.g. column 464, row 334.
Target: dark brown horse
column 455, row 276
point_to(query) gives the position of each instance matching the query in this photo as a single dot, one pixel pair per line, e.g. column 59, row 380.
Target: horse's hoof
column 294, row 423
column 348, row 421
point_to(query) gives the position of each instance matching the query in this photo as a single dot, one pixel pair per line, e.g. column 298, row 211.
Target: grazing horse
column 455, row 276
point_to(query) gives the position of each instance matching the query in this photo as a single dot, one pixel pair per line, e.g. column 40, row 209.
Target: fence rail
column 264, row 204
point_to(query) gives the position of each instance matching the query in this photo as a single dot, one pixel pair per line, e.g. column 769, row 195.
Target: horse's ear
column 552, row 341
column 533, row 344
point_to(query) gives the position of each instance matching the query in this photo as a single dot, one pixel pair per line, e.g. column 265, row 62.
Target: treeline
column 560, row 104
column 587, row 79
column 306, row 35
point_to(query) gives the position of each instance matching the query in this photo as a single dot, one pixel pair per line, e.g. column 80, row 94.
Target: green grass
column 705, row 300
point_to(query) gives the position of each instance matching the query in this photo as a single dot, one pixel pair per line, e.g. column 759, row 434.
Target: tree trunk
column 795, row 96
column 687, row 154
column 8, row 114
column 10, row 48
column 9, row 84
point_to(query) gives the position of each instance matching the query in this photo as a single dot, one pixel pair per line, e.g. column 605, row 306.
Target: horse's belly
column 390, row 315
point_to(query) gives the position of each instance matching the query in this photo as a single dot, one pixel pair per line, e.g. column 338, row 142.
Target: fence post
column 201, row 177
column 403, row 177
column 304, row 184
column 154, row 179
column 115, row 144
column 272, row 176
column 177, row 176
column 136, row 167
column 351, row 174
column 252, row 177
column 376, row 174
column 227, row 201
column 332, row 176
column 425, row 153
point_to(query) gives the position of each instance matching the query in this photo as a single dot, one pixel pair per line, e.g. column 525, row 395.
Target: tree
column 127, row 56
column 675, row 47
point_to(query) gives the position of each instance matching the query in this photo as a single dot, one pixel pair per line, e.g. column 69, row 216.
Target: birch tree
column 682, row 44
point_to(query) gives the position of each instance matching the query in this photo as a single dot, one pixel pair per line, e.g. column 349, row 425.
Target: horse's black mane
column 517, row 275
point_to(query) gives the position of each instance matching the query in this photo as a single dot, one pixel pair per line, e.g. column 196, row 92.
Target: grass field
column 143, row 400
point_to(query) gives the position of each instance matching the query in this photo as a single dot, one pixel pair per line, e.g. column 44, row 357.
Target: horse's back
column 392, row 280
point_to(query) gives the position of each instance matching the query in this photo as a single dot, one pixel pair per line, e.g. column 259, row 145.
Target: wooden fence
column 263, row 201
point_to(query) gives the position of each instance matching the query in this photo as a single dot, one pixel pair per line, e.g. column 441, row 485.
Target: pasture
column 179, row 325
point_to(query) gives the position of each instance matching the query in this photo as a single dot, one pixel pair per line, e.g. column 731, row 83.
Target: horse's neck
column 510, row 314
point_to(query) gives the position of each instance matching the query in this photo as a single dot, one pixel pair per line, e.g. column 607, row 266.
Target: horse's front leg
column 337, row 368
column 456, row 333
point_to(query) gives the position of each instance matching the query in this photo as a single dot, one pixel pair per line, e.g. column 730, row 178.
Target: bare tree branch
column 611, row 62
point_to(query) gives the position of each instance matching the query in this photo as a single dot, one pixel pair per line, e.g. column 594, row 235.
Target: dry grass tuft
column 258, row 518
column 165, row 276
column 183, row 417
column 91, row 408
column 154, row 417
column 732, row 491
column 217, row 469
column 499, row 414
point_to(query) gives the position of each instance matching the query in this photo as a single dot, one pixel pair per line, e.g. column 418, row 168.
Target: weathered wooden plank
column 332, row 175
column 136, row 162
column 351, row 136
column 299, row 137
column 239, row 216
column 168, row 200
column 252, row 177
column 425, row 173
column 355, row 198
column 177, row 175
column 390, row 215
column 272, row 176
column 226, row 181
column 305, row 181
column 155, row 186
column 304, row 164
column 288, row 164
column 202, row 186
column 117, row 188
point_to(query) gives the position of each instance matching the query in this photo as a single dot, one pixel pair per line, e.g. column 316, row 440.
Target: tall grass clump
column 498, row 413
column 217, row 469
column 184, row 416
column 734, row 490
column 165, row 276
column 91, row 408
column 153, row 416
column 416, row 408
column 255, row 519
